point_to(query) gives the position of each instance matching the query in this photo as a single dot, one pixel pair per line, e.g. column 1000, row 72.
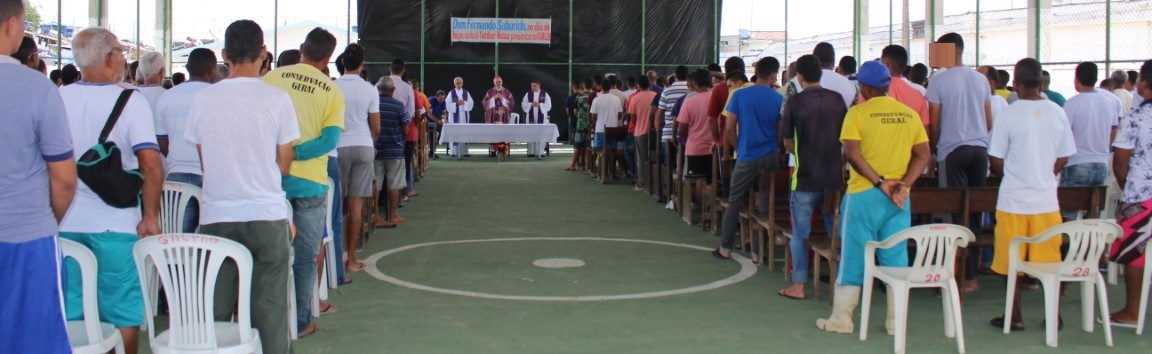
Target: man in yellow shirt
column 320, row 111
column 886, row 145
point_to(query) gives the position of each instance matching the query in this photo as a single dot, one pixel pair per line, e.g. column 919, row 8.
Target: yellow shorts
column 1010, row 226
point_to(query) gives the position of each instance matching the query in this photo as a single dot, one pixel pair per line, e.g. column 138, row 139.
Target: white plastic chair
column 1087, row 240
column 514, row 118
column 292, row 326
column 188, row 265
column 173, row 202
column 89, row 336
column 933, row 267
column 328, row 276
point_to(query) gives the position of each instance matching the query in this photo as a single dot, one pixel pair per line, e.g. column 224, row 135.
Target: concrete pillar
column 933, row 14
column 861, row 34
column 1039, row 19
column 162, row 36
column 906, row 29
column 97, row 13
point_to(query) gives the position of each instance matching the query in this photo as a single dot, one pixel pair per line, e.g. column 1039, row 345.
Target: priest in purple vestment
column 498, row 103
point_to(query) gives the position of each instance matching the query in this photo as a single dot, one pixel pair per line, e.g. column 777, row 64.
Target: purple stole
column 532, row 113
column 455, row 97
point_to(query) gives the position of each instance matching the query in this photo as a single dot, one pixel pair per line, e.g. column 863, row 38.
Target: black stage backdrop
column 589, row 38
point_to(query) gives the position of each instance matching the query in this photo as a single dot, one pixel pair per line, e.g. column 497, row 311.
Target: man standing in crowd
column 1129, row 85
column 149, row 75
column 498, row 103
column 694, row 124
column 411, row 138
column 639, row 113
column 895, row 58
column 716, row 119
column 1093, row 116
column 810, row 128
column 1120, row 80
column 183, row 162
column 1045, row 88
column 244, row 130
column 887, row 147
column 37, row 185
column 320, row 111
column 832, row 80
column 356, row 148
column 389, row 163
column 959, row 108
column 459, row 106
column 752, row 121
column 1030, row 145
column 997, row 103
column 536, row 104
column 1134, row 175
column 437, row 113
column 606, row 113
column 662, row 122
column 109, row 231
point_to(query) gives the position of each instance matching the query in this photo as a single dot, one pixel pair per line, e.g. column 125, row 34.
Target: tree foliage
column 32, row 14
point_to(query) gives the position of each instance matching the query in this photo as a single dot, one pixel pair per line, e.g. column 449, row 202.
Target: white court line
column 747, row 270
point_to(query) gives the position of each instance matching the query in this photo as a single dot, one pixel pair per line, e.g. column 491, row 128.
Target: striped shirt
column 667, row 102
column 394, row 120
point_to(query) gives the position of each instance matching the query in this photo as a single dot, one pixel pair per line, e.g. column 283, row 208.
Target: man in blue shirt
column 756, row 110
column 36, row 188
column 438, row 112
column 394, row 120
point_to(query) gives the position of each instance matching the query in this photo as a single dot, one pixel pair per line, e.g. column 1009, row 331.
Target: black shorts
column 699, row 167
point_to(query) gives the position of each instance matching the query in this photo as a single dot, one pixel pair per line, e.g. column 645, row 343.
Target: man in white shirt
column 149, row 76
column 183, row 162
column 998, row 103
column 244, row 130
column 357, row 146
column 1120, row 79
column 1130, row 85
column 606, row 112
column 1093, row 115
column 832, row 80
column 459, row 109
column 1029, row 146
column 536, row 104
column 109, row 231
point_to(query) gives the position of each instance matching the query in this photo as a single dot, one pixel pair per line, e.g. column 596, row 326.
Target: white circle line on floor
column 747, row 270
column 558, row 263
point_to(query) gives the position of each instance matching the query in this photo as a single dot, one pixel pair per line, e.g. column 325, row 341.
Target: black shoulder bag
column 100, row 167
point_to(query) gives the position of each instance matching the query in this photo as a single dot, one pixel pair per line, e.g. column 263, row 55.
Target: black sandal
column 998, row 322
column 716, row 253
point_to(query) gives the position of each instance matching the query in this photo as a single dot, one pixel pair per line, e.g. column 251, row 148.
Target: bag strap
column 112, row 118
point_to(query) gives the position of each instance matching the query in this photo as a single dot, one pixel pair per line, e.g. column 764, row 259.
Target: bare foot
column 1123, row 318
column 969, row 286
column 796, row 291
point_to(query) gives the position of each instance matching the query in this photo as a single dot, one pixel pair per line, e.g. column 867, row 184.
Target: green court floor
column 490, row 298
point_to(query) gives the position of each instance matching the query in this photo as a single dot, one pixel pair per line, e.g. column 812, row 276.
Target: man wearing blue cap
column 887, row 147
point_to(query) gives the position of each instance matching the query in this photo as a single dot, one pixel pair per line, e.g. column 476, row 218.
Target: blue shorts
column 118, row 291
column 599, row 140
column 30, row 298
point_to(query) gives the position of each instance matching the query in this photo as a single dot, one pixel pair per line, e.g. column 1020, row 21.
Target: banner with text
column 502, row 30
